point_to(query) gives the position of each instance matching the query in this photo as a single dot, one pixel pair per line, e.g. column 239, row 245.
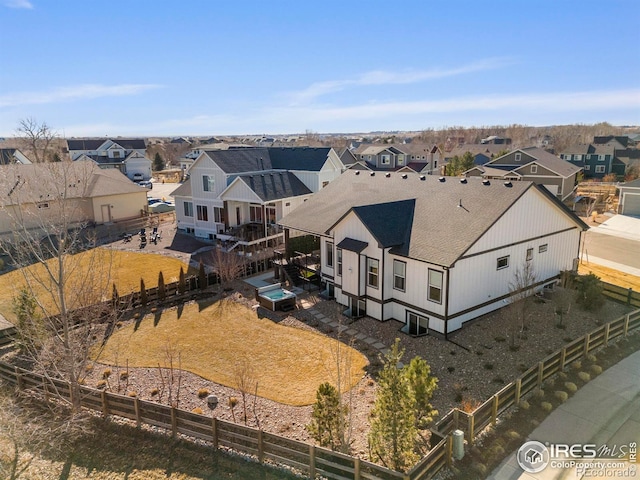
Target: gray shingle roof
column 94, row 143
column 390, row 223
column 545, row 159
column 271, row 186
column 240, row 160
column 448, row 217
column 299, row 158
column 352, row 245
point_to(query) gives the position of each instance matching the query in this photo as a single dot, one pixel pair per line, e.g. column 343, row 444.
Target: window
column 518, row 157
column 577, row 157
column 255, row 213
column 534, row 168
column 372, row 272
column 601, row 158
column 207, row 183
column 567, row 156
column 435, row 286
column 188, row 209
column 399, row 275
column 329, row 254
column 529, row 254
column 416, row 324
column 385, row 159
column 339, row 261
column 599, row 168
column 587, row 168
column 400, row 159
column 503, row 262
column 203, row 213
column 116, row 154
column 435, row 164
column 324, row 184
column 543, row 248
column 218, row 215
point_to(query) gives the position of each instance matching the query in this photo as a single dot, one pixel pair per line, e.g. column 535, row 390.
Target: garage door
column 631, row 204
column 552, row 188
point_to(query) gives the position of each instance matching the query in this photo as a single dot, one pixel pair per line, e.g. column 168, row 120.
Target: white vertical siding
column 239, row 191
column 350, row 267
column 310, row 179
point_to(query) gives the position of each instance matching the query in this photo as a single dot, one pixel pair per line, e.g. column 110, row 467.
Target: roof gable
column 270, row 186
column 389, row 223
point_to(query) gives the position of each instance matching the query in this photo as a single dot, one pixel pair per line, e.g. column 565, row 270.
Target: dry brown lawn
column 127, row 268
column 610, row 275
column 288, row 363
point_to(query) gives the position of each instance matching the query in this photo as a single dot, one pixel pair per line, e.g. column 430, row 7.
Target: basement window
column 503, row 262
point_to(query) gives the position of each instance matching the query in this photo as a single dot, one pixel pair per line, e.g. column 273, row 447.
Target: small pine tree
column 31, row 331
column 182, row 284
column 115, row 298
column 393, row 434
column 202, row 276
column 162, row 293
column 422, row 385
column 143, row 293
column 590, row 292
column 56, row 158
column 327, row 417
column 158, row 162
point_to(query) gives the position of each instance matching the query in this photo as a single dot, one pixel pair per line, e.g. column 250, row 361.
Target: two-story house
column 434, row 253
column 596, row 160
column 239, row 194
column 126, row 154
column 409, row 157
column 531, row 164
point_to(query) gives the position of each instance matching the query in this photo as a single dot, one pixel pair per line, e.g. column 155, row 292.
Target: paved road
column 606, row 411
column 609, row 247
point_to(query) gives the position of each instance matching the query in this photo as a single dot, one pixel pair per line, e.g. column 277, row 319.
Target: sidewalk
column 606, row 411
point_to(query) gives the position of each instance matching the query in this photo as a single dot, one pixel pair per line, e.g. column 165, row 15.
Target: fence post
column 494, row 410
column 629, row 294
column 540, row 371
column 19, row 379
column 105, row 404
column 626, row 324
column 455, row 418
column 563, row 358
column 174, row 422
column 449, row 451
column 260, row 447
column 607, row 326
column 518, row 391
column 312, row 461
column 356, row 468
column 214, row 432
column 472, row 424
column 136, row 406
column 587, row 338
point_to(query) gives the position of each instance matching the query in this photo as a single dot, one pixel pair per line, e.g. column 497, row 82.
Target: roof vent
column 508, row 184
column 404, row 176
column 388, row 175
column 423, row 178
column 463, row 180
column 373, row 174
column 442, row 179
column 357, row 172
column 486, row 182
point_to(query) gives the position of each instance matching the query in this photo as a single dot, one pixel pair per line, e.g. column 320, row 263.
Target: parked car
column 146, row 184
column 152, row 201
column 161, row 207
column 138, row 177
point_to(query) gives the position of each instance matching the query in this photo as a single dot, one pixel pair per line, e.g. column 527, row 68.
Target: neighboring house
column 618, row 142
column 596, row 160
column 125, row 154
column 418, row 158
column 532, row 164
column 93, row 195
column 13, row 155
column 482, row 154
column 241, row 193
column 347, row 157
column 629, row 203
column 434, row 253
column 496, row 140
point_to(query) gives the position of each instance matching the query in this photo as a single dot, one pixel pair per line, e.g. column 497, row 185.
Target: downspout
column 446, row 305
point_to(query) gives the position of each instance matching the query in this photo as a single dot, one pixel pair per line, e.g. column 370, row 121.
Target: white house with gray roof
column 434, row 253
column 239, row 194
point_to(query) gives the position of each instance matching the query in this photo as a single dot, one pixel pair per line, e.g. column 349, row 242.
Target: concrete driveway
column 614, row 243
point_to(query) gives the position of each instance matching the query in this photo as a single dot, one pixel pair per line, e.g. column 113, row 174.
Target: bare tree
column 46, row 204
column 37, row 139
column 246, row 384
column 228, row 266
column 521, row 288
column 171, row 375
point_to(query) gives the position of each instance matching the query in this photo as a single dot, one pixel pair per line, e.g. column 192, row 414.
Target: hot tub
column 274, row 297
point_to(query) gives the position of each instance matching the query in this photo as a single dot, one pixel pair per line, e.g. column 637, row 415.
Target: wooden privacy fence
column 314, row 460
column 487, row 413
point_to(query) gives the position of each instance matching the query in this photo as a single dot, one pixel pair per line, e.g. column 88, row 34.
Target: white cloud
column 71, row 93
column 18, row 4
column 382, row 77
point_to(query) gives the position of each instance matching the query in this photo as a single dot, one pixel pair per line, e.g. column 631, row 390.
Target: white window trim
column 429, row 286
column 369, row 273
column 404, row 276
column 534, row 168
column 329, row 254
column 498, row 267
column 600, row 169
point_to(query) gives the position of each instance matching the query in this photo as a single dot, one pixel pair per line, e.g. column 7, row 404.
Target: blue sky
column 165, row 68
